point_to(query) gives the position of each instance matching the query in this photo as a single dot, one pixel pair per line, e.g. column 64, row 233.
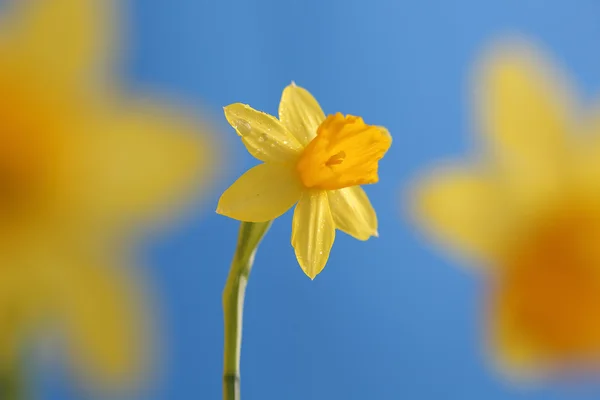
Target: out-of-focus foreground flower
column 316, row 161
column 529, row 210
column 80, row 167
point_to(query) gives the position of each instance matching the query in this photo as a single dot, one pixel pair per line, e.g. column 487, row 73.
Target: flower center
column 31, row 146
column 345, row 152
column 549, row 292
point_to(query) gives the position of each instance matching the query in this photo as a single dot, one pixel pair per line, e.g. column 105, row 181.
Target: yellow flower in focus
column 80, row 169
column 315, row 161
column 530, row 211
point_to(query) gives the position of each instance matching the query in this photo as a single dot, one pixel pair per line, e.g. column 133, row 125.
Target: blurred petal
column 23, row 294
column 460, row 207
column 353, row 213
column 100, row 302
column 313, row 232
column 511, row 348
column 263, row 193
column 143, row 161
column 300, row 113
column 264, row 137
column 525, row 108
column 67, row 39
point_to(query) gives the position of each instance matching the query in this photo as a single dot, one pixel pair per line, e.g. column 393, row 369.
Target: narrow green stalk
column 249, row 238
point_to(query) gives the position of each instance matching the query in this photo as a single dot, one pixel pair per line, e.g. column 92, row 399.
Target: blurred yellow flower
column 530, row 210
column 80, row 168
column 318, row 162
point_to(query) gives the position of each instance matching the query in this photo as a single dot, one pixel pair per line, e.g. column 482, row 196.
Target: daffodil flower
column 530, row 212
column 80, row 167
column 316, row 161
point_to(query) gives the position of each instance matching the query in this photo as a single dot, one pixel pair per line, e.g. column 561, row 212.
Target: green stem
column 249, row 238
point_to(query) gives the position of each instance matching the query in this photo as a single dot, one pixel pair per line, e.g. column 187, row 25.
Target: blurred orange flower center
column 550, row 288
column 345, row 152
column 30, row 147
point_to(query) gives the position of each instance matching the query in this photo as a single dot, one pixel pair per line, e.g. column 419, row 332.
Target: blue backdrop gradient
column 391, row 318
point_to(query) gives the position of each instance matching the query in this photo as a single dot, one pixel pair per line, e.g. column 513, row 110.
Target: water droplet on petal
column 243, row 127
column 263, row 137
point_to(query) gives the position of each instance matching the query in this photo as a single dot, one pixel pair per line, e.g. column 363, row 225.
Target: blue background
column 391, row 318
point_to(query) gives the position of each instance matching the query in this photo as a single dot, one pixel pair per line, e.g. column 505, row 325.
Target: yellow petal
column 313, row 232
column 99, row 304
column 141, row 162
column 462, row 209
column 263, row 193
column 23, row 296
column 353, row 213
column 264, row 137
column 66, row 39
column 513, row 352
column 300, row 113
column 525, row 108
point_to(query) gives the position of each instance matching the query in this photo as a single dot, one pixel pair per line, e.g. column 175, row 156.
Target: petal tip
column 309, row 270
column 230, row 108
column 219, row 210
column 223, row 210
column 311, row 276
column 227, row 111
column 313, row 271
